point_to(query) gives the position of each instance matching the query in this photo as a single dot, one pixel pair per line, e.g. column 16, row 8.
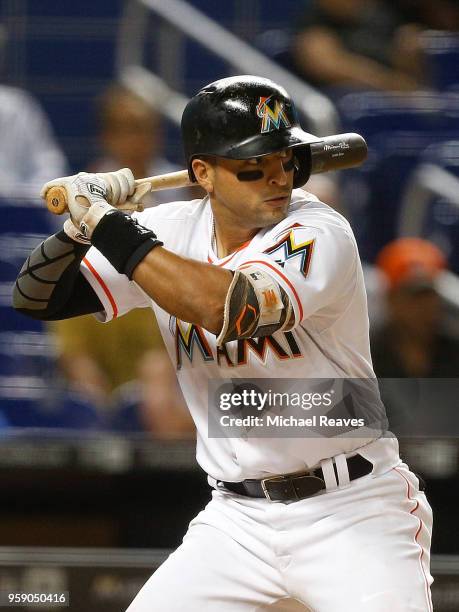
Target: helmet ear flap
column 302, row 172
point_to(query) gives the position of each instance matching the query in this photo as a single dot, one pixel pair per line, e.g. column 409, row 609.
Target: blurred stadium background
column 92, row 500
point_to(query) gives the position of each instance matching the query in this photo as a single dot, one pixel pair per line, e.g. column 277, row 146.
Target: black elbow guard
column 46, row 279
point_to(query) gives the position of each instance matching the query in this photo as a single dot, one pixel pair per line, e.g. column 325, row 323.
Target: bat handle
column 56, row 200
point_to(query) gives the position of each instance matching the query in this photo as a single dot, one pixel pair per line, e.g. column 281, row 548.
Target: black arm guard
column 50, row 285
column 123, row 241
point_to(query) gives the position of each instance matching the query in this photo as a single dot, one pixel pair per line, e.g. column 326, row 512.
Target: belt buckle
column 309, row 474
column 265, row 490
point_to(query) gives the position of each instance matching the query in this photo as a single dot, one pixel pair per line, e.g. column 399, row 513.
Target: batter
column 257, row 280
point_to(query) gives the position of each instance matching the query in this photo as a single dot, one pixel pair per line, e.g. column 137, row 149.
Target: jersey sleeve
column 116, row 292
column 316, row 266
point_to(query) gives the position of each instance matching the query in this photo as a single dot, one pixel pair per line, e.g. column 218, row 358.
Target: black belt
column 296, row 486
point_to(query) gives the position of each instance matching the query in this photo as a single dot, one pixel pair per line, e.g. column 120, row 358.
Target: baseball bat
column 336, row 152
column 56, row 197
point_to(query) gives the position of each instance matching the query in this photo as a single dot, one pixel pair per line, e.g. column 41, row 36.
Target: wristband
column 123, row 241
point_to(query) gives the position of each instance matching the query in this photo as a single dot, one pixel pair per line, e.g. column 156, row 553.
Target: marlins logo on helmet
column 271, row 119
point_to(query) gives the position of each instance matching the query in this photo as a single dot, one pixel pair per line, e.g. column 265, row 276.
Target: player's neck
column 228, row 239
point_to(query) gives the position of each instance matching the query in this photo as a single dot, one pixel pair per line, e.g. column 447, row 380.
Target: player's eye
column 289, row 164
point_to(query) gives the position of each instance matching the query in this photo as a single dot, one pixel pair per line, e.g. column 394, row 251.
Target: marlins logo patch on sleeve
column 293, row 247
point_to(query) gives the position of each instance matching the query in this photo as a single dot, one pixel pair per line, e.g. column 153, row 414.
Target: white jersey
column 313, row 255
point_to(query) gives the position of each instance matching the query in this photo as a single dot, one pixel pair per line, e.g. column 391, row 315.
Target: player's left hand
column 82, row 190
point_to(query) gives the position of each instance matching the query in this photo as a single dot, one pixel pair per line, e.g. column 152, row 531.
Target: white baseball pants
column 363, row 548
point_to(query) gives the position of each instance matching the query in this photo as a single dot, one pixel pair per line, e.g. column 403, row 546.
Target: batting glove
column 120, row 185
column 84, row 191
column 122, row 190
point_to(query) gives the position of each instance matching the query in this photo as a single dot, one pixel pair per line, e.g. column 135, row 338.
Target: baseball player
column 258, row 280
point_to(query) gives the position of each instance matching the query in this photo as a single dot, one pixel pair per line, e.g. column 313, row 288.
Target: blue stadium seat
column 441, row 51
column 27, row 353
column 24, row 225
column 69, row 410
column 441, row 222
column 4, row 423
column 10, row 320
column 373, row 193
column 25, row 217
column 370, row 113
column 30, row 401
column 20, row 400
column 126, row 413
column 398, row 128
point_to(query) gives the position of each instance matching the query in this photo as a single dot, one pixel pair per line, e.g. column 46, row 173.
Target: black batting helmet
column 243, row 117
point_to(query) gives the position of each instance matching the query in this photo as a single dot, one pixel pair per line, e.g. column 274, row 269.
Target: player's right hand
column 120, row 185
column 123, row 193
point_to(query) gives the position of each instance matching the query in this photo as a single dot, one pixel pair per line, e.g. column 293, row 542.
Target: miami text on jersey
column 188, row 336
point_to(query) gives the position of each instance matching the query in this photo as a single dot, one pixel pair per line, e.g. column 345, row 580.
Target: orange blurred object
column 410, row 262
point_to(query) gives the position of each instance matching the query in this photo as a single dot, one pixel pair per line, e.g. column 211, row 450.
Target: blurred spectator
column 412, row 342
column 131, row 136
column 438, row 15
column 353, row 44
column 30, row 156
column 28, row 150
column 96, row 358
column 154, row 403
column 420, row 16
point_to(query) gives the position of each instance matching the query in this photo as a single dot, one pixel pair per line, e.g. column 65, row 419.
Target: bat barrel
column 338, row 152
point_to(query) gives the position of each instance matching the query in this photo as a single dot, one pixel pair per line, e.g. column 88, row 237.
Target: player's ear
column 204, row 172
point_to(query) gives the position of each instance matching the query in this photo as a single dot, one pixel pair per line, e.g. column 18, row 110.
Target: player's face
column 254, row 192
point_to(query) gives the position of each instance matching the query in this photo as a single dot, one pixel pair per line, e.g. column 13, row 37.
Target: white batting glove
column 122, row 190
column 120, row 185
column 84, row 191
